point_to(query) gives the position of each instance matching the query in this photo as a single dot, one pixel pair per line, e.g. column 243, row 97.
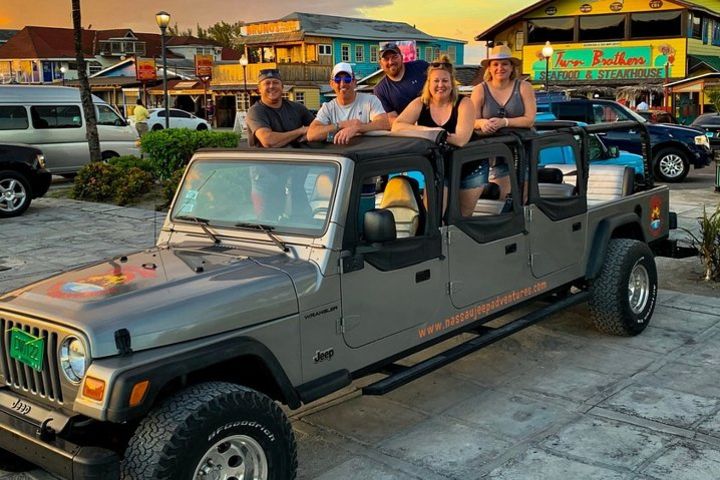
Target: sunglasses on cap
column 441, row 65
column 342, row 78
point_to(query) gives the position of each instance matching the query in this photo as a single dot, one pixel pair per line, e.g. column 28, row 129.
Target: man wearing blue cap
column 275, row 121
column 403, row 82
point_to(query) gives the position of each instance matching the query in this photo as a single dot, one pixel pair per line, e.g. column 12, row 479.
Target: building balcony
column 290, row 72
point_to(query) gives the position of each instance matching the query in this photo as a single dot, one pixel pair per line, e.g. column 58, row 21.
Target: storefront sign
column 634, row 60
column 203, row 66
column 564, row 8
column 145, row 70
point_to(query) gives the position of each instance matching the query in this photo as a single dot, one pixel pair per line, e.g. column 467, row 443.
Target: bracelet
column 330, row 137
column 507, row 122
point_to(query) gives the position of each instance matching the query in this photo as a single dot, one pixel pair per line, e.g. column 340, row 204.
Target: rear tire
column 201, row 127
column 671, row 165
column 157, row 127
column 623, row 296
column 213, row 425
column 15, row 193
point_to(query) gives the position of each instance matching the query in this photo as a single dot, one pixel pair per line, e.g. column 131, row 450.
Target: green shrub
column 170, row 150
column 95, row 182
column 127, row 162
column 131, row 184
column 103, row 182
column 708, row 243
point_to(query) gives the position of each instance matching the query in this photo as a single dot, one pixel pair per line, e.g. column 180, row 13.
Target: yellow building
column 612, row 43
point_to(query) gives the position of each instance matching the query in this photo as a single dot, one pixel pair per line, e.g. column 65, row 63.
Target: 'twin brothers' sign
column 606, row 62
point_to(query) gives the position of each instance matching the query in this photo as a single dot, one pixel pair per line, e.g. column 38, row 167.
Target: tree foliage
column 226, row 34
column 713, row 96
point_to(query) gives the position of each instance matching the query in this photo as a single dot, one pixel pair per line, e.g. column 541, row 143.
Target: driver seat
column 399, row 199
column 320, row 198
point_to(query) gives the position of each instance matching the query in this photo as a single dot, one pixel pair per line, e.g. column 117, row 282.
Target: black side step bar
column 399, row 375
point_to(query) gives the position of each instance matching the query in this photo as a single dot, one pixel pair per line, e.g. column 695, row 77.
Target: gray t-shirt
column 364, row 108
column 289, row 116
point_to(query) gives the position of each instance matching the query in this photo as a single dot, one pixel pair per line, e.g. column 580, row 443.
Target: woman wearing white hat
column 502, row 100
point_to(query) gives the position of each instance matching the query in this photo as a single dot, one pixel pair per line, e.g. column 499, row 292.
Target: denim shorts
column 476, row 178
column 499, row 170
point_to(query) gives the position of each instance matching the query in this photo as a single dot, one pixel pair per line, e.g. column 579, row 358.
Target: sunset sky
column 462, row 19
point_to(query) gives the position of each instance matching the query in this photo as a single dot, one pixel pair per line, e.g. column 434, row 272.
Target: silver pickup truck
column 280, row 276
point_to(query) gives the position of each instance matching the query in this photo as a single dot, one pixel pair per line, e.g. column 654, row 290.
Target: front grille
column 18, row 376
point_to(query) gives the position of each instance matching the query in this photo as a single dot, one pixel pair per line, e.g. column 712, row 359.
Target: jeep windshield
column 281, row 197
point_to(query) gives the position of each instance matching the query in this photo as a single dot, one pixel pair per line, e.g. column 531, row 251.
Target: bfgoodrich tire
column 213, row 430
column 623, row 296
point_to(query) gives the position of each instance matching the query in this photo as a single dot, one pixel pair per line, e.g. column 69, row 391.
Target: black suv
column 22, row 178
column 674, row 147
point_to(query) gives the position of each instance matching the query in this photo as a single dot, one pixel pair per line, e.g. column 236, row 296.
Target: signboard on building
column 408, row 48
column 569, row 8
column 637, row 60
column 145, row 70
column 203, row 66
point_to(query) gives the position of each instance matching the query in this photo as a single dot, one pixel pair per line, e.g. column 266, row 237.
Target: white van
column 51, row 118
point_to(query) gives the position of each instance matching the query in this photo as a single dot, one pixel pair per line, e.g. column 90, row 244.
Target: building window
column 300, row 97
column 696, row 26
column 94, row 67
column 344, row 52
column 452, row 53
column 519, row 40
column 556, row 30
column 602, row 27
column 656, row 24
column 242, row 101
column 374, row 49
column 324, row 49
column 428, row 54
column 359, row 54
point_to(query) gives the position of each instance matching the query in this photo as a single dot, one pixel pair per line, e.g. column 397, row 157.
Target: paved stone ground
column 556, row 401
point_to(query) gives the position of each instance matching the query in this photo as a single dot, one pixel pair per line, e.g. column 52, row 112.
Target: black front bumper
column 56, row 455
column 40, row 183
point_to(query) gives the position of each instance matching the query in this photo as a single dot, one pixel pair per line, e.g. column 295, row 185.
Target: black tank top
column 425, row 119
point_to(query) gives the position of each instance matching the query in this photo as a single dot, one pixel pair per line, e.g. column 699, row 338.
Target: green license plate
column 27, row 348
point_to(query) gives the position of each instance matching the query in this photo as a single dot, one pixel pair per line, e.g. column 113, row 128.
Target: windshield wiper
column 203, row 222
column 267, row 229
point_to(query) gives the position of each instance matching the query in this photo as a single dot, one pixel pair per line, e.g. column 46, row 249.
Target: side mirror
column 379, row 226
column 613, row 152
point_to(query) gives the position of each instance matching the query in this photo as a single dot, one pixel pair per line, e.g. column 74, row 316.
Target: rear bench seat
column 609, row 182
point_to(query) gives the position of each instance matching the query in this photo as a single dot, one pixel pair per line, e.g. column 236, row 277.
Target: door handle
column 601, row 134
column 422, row 276
column 512, row 248
column 576, row 226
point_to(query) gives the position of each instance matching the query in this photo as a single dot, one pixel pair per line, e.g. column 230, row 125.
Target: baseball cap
column 342, row 67
column 389, row 47
column 269, row 73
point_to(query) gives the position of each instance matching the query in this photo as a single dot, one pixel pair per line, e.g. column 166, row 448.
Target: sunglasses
column 501, row 112
column 441, row 65
column 343, row 78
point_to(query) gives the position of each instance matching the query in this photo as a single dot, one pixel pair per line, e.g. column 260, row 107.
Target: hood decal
column 119, row 279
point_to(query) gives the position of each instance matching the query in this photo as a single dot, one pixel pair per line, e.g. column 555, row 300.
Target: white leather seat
column 399, row 198
column 609, row 182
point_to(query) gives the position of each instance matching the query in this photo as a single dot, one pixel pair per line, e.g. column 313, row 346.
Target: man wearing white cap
column 350, row 113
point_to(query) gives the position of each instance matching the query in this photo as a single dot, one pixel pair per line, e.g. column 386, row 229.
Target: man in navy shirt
column 403, row 82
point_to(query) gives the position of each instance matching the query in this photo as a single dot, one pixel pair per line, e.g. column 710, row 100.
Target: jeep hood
column 665, row 128
column 162, row 296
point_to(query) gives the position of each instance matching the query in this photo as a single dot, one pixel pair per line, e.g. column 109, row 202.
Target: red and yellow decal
column 100, row 285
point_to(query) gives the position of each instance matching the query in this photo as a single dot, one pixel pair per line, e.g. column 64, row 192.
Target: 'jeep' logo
column 321, row 356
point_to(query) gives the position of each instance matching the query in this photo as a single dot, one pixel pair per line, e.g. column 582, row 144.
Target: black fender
column 602, row 237
column 161, row 373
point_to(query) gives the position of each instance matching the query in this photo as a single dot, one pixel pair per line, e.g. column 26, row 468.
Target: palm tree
column 85, row 94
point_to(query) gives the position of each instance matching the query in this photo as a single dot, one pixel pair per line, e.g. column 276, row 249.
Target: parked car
column 23, row 177
column 52, row 119
column 178, row 119
column 657, row 116
column 710, row 122
column 674, row 148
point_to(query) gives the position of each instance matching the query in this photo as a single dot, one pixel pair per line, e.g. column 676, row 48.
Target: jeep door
column 556, row 217
column 400, row 284
column 487, row 246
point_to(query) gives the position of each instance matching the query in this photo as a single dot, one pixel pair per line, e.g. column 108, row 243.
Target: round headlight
column 41, row 160
column 73, row 359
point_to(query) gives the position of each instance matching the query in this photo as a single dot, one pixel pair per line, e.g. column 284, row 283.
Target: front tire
column 157, row 127
column 201, row 127
column 15, row 194
column 213, row 430
column 623, row 296
column 671, row 165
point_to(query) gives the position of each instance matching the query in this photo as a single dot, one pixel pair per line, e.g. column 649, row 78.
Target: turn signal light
column 138, row 393
column 94, row 388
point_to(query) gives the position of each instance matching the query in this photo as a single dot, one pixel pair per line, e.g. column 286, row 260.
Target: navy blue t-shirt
column 395, row 96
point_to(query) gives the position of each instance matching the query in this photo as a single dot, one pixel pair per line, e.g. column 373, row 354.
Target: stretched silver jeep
column 280, row 276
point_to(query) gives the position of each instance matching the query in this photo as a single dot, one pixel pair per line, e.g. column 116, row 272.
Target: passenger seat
column 399, row 199
column 320, row 198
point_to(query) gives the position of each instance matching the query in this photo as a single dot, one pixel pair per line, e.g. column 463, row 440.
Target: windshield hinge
column 529, row 214
column 340, row 326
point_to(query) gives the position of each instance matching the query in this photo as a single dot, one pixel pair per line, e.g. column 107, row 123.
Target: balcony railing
column 290, row 72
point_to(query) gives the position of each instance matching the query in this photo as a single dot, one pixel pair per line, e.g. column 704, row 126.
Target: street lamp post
column 244, row 64
column 62, row 75
column 547, row 52
column 163, row 20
